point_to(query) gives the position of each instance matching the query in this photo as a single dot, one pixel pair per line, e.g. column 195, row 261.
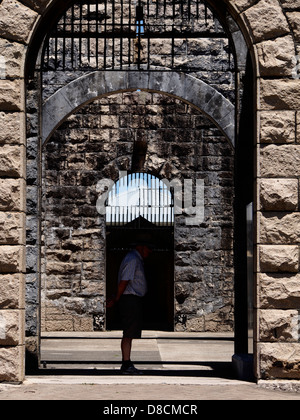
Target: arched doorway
column 222, row 99
column 140, row 208
column 197, row 163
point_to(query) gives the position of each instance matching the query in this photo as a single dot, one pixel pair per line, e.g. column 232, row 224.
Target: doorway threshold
column 157, row 353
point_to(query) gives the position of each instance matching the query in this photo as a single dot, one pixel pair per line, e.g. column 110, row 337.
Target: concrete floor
column 156, row 351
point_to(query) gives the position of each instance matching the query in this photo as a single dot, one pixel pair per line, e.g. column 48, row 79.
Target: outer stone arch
column 35, row 16
column 93, row 85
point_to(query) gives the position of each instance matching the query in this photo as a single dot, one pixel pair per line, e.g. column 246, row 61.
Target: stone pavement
column 146, row 388
column 176, row 367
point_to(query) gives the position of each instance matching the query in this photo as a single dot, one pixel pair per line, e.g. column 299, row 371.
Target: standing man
column 132, row 287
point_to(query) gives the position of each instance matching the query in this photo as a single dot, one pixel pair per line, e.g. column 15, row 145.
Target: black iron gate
column 128, row 34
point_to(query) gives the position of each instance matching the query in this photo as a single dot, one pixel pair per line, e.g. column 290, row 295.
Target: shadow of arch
column 102, row 83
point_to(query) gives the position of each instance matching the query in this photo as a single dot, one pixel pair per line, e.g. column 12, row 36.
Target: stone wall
column 264, row 24
column 12, row 190
column 96, row 143
column 277, row 303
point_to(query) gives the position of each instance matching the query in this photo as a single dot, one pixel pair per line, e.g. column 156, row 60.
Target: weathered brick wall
column 97, row 143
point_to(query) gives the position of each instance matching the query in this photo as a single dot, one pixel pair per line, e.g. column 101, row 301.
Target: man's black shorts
column 131, row 312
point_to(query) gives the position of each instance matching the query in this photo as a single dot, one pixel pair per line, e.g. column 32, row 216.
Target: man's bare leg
column 127, row 366
column 126, row 348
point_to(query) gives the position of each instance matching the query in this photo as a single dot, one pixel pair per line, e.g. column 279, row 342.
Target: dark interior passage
column 159, row 269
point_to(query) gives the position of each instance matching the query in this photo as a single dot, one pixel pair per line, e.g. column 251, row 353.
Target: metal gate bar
column 140, row 195
column 112, row 34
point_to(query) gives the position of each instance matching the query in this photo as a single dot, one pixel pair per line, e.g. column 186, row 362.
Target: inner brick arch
column 89, row 87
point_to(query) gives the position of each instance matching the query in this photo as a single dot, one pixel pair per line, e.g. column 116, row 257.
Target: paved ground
column 146, row 388
column 191, row 367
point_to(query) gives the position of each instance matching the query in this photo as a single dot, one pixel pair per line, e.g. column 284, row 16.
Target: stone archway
column 265, row 24
column 94, row 85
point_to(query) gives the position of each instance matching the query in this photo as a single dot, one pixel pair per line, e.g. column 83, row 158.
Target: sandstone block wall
column 16, row 23
column 278, row 193
column 272, row 24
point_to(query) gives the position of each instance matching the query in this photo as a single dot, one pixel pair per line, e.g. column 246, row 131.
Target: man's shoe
column 130, row 370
